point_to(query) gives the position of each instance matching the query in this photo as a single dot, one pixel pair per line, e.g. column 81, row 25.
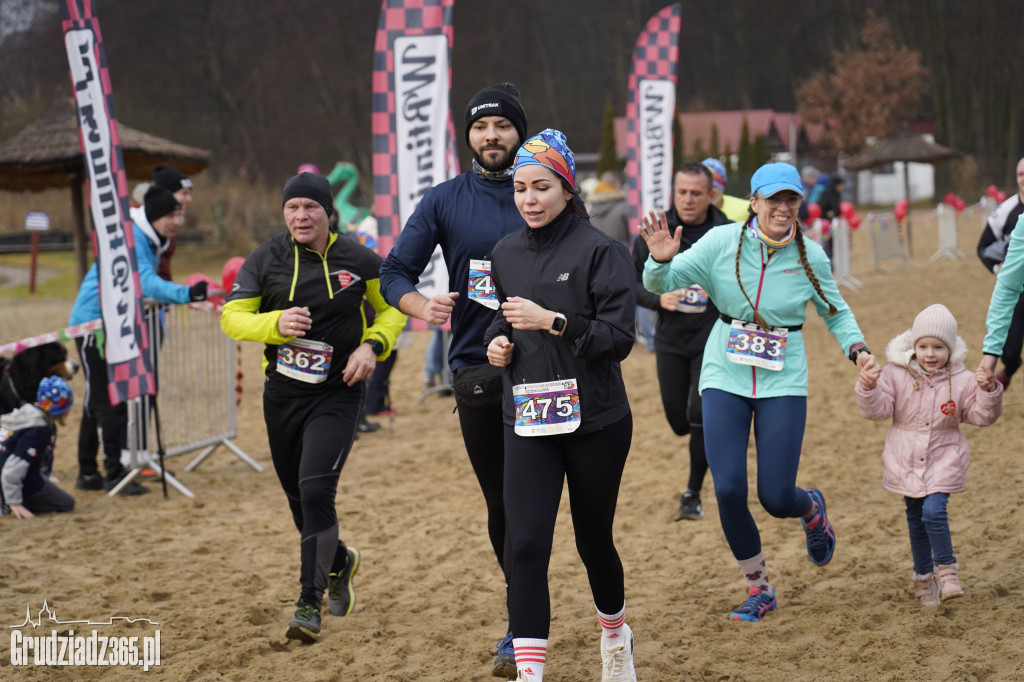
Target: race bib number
column 749, row 345
column 481, row 286
column 547, row 408
column 308, row 361
column 694, row 300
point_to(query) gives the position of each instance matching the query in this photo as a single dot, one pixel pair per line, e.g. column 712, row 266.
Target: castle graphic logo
column 63, row 647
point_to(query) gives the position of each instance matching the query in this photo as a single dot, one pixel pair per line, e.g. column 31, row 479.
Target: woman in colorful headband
column 760, row 274
column 566, row 322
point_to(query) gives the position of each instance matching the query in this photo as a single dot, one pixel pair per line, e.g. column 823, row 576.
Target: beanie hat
column 310, row 186
column 717, row 169
column 936, row 321
column 548, row 148
column 497, row 100
column 159, row 202
column 170, row 178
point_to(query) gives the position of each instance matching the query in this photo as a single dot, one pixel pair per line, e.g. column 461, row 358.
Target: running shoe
column 341, row 597
column 821, row 539
column 689, row 507
column 758, row 603
column 505, row 658
column 305, row 626
column 617, row 661
column 92, row 481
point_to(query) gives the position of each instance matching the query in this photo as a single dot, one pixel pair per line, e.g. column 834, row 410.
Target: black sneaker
column 364, row 426
column 305, row 625
column 341, row 596
column 131, row 489
column 689, row 507
column 93, row 481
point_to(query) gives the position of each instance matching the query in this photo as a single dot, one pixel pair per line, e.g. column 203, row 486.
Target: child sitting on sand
column 26, row 453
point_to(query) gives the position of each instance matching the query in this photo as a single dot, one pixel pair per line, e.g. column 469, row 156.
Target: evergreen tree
column 714, row 151
column 745, row 164
column 698, row 150
column 760, row 151
column 608, row 160
column 678, row 157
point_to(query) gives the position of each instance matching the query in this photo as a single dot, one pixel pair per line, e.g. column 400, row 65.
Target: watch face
column 558, row 323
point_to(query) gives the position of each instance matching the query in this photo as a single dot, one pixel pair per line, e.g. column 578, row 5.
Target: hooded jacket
column 26, row 454
column 148, row 246
column 571, row 267
column 925, row 451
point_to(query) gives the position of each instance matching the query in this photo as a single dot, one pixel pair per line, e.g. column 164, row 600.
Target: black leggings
column 310, row 438
column 483, row 435
column 535, row 468
column 679, row 377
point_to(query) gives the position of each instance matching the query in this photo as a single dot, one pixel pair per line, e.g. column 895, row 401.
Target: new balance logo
column 564, row 277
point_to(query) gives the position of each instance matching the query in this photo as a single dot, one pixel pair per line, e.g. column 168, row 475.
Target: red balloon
column 854, row 221
column 1000, row 196
column 992, row 191
column 959, row 204
column 846, row 209
column 901, row 208
column 230, row 271
column 813, row 211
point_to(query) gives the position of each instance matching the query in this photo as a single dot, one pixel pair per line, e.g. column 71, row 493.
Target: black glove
column 197, row 292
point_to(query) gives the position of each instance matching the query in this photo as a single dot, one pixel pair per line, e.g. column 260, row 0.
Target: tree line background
column 267, row 86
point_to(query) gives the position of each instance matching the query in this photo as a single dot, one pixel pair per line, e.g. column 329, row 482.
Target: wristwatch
column 376, row 345
column 558, row 324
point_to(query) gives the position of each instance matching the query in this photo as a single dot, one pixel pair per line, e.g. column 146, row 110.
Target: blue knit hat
column 548, row 148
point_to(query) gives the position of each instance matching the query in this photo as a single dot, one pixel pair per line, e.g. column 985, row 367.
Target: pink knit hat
column 936, row 321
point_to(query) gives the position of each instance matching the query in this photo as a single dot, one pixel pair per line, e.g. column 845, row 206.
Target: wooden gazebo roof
column 47, row 152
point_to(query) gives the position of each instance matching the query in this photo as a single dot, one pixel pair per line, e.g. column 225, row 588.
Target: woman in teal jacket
column 760, row 274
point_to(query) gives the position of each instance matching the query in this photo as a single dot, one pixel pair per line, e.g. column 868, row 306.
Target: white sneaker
column 617, row 661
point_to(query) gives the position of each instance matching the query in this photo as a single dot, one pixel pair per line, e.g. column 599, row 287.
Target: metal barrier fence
column 196, row 402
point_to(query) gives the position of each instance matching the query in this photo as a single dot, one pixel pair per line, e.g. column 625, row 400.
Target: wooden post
column 80, row 233
column 32, row 263
column 906, row 193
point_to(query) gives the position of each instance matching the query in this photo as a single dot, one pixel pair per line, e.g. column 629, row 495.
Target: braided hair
column 801, row 249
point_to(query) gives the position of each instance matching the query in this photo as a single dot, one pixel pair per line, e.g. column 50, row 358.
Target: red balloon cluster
column 218, row 291
column 953, row 200
column 813, row 211
column 996, row 193
column 900, row 209
column 848, row 211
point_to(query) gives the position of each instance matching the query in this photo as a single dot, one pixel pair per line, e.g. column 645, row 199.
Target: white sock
column 531, row 655
column 755, row 571
column 612, row 627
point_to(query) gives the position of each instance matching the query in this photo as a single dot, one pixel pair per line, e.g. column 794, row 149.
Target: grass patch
column 56, row 276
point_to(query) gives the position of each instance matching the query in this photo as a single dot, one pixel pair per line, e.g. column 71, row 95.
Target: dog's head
column 31, row 365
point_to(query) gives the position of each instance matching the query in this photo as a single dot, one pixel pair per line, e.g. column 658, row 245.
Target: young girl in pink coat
column 928, row 393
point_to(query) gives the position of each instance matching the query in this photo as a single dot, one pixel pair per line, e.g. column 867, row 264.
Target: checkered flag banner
column 112, row 237
column 650, row 106
column 413, row 136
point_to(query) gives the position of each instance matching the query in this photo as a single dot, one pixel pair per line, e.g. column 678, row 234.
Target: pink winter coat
column 925, row 450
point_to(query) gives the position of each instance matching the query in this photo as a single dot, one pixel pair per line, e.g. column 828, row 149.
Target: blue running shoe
column 505, row 661
column 821, row 539
column 758, row 603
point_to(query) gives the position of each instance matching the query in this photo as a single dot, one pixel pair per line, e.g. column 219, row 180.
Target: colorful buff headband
column 548, row 148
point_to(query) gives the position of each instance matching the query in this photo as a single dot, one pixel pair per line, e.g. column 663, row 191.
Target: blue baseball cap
column 776, row 177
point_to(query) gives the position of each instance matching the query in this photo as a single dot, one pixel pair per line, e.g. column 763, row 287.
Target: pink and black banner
column 112, row 237
column 650, row 106
column 411, row 116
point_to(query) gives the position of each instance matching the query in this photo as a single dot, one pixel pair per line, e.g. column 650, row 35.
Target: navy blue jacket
column 466, row 215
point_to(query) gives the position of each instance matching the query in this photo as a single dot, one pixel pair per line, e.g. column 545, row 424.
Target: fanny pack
column 478, row 385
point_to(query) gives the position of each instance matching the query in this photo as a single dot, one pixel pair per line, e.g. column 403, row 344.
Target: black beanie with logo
column 170, row 178
column 497, row 100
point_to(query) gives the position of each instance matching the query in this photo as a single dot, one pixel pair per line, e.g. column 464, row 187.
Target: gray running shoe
column 689, row 507
column 341, row 597
column 305, row 626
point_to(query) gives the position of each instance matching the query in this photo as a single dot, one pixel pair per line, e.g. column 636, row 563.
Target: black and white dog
column 20, row 376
